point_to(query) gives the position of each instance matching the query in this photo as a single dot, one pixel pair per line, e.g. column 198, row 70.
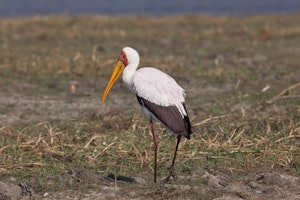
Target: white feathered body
column 157, row 87
column 160, row 96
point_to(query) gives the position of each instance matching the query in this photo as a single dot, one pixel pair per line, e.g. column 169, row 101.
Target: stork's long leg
column 155, row 148
column 171, row 172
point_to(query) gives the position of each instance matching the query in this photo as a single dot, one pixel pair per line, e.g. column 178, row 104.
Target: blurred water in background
column 19, row 8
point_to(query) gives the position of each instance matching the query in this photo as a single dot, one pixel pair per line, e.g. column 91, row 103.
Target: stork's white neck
column 130, row 69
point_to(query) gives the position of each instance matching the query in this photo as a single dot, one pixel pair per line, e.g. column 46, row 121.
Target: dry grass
column 241, row 76
column 240, row 140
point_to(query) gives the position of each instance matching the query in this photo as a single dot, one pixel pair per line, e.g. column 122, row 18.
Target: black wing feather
column 169, row 116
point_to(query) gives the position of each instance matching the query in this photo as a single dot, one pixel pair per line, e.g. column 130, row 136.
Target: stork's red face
column 123, row 58
column 119, row 67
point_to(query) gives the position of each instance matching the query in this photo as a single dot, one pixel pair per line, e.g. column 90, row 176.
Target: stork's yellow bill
column 116, row 73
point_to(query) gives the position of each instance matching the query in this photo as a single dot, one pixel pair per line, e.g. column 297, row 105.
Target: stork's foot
column 171, row 176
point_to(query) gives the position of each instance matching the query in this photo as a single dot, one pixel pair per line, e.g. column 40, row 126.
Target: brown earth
column 205, row 184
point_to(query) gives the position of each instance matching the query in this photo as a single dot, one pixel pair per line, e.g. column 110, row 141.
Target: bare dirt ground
column 243, row 101
column 205, row 184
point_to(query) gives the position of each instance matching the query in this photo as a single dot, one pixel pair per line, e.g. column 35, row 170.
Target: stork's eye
column 123, row 58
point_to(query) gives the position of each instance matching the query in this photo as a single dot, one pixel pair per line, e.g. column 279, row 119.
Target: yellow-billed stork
column 160, row 96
